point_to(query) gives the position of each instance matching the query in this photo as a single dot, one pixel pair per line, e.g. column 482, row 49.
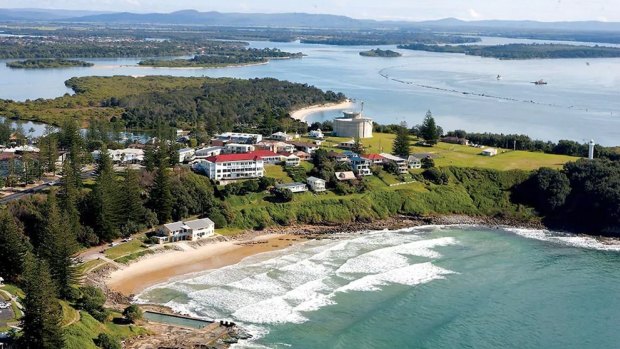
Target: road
column 38, row 188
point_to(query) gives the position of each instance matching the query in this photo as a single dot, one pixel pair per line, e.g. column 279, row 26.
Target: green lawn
column 125, row 248
column 465, row 156
column 277, row 172
column 81, row 334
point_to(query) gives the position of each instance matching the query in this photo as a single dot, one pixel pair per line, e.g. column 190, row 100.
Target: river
column 581, row 101
column 429, row 287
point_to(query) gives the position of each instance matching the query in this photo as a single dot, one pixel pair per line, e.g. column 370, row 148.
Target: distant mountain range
column 288, row 20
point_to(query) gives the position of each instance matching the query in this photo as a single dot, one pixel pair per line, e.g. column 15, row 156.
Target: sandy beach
column 302, row 114
column 162, row 267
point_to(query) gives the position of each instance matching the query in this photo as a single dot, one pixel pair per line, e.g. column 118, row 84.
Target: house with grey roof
column 186, row 231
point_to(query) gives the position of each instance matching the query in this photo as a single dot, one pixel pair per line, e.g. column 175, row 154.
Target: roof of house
column 345, row 176
column 391, row 157
column 335, row 154
column 303, row 144
column 290, row 185
column 254, row 155
column 373, row 157
column 314, row 179
column 200, row 223
column 174, row 226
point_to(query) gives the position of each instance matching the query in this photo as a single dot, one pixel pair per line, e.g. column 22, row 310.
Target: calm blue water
column 429, row 287
column 581, row 101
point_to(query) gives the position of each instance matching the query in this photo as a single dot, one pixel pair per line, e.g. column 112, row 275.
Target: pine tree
column 429, row 130
column 105, row 200
column 41, row 323
column 13, row 247
column 69, row 195
column 161, row 197
column 48, row 154
column 132, row 194
column 358, row 148
column 59, row 247
column 401, row 142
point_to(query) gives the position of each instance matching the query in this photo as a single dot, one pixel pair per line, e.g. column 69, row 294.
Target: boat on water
column 499, row 77
column 540, row 82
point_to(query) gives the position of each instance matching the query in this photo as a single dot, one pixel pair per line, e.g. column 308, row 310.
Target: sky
column 541, row 10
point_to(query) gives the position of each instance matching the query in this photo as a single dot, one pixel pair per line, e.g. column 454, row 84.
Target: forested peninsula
column 522, row 51
column 224, row 57
column 47, row 63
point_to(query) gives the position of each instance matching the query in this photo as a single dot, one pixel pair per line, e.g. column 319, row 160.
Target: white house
column 489, row 152
column 232, row 166
column 234, row 137
column 281, row 136
column 293, row 187
column 207, row 152
column 316, row 184
column 403, row 166
column 316, row 134
column 186, row 154
column 414, row 162
column 309, row 148
column 361, row 166
column 236, row 148
column 191, row 230
column 276, row 146
column 347, row 145
column 292, row 161
column 124, row 156
column 345, row 176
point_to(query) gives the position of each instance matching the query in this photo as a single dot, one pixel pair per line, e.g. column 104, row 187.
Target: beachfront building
column 361, row 166
column 292, row 161
column 414, row 162
column 318, row 134
column 317, row 185
column 353, row 125
column 489, row 152
column 236, row 148
column 204, row 153
column 186, row 154
column 293, row 187
column 242, row 138
column 403, row 166
column 186, row 231
column 281, row 136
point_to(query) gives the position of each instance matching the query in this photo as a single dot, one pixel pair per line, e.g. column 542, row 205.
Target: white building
column 361, row 166
column 347, row 144
column 232, row 166
column 276, row 146
column 489, row 152
column 281, row 136
column 309, row 148
column 186, row 154
column 122, row 156
column 317, row 185
column 403, row 166
column 191, row 230
column 292, row 161
column 233, row 137
column 293, row 187
column 236, row 148
column 207, row 152
column 352, row 124
column 414, row 162
column 316, row 134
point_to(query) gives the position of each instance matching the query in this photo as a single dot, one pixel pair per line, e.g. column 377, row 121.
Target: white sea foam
column 568, row 239
column 410, row 275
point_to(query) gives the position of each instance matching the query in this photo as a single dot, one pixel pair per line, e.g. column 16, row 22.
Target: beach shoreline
column 302, row 114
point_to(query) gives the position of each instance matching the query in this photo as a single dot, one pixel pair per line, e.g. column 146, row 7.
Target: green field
column 277, row 172
column 462, row 156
